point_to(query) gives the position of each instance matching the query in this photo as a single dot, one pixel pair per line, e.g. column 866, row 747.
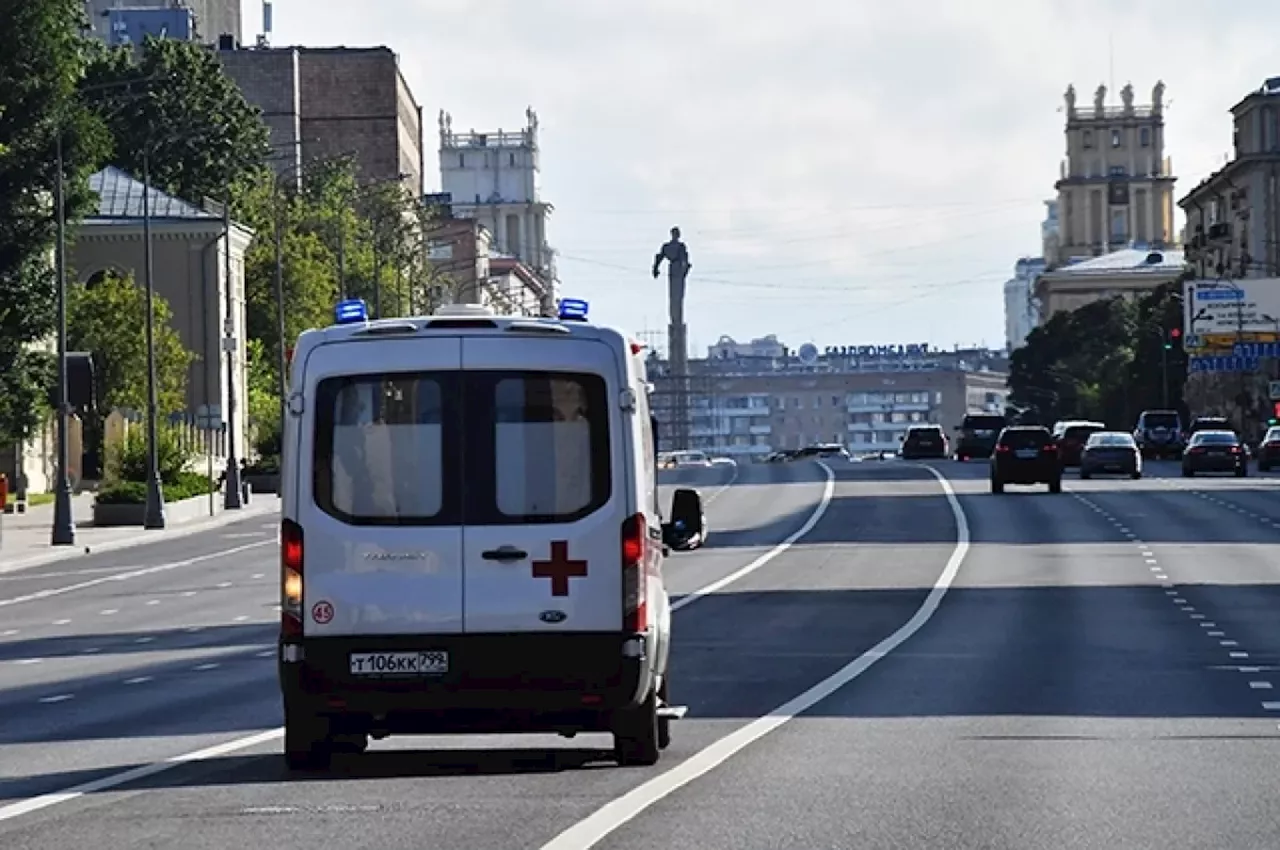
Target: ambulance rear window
column 380, row 449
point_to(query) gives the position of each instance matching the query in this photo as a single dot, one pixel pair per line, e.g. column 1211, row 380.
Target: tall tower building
column 495, row 178
column 1115, row 187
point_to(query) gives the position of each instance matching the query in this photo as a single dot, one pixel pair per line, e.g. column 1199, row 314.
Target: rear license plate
column 431, row 663
column 1027, row 453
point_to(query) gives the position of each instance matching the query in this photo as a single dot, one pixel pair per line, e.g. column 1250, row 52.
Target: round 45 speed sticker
column 322, row 612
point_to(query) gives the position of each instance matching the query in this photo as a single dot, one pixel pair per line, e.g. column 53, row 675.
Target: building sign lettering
column 883, row 351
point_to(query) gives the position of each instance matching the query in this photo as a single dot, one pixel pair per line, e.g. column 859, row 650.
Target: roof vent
column 1154, row 258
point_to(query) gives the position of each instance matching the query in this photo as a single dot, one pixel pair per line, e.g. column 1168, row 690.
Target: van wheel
column 635, row 734
column 1055, row 486
column 664, row 723
column 307, row 745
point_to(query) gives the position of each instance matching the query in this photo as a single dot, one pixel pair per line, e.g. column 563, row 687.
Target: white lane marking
column 153, row 602
column 210, row 666
column 721, row 490
column 223, row 585
column 147, row 639
column 259, row 575
column 1216, row 634
column 1260, row 686
column 109, row 611
column 1161, row 576
column 1208, row 625
column 1197, row 616
column 1271, row 706
column 146, row 571
column 240, row 619
column 137, row 680
column 828, row 491
column 1176, row 599
column 28, row 661
column 193, row 629
column 57, row 698
column 267, row 653
column 597, row 826
column 189, row 593
column 1228, row 643
column 44, row 801
column 1238, row 654
column 8, row 633
column 61, row 622
column 91, row 650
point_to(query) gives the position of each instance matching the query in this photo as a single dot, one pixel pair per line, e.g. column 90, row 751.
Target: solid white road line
column 146, row 571
column 723, row 487
column 604, row 821
column 828, row 490
column 24, row 807
column 44, row 801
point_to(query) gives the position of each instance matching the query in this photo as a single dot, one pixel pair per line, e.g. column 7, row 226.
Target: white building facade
column 1020, row 313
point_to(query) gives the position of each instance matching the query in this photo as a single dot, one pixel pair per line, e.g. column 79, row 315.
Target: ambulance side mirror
column 687, row 526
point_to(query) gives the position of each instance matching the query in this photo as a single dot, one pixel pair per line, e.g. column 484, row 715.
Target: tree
column 109, row 319
column 203, row 136
column 39, row 69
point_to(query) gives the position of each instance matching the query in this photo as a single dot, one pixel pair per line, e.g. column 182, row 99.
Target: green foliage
column 175, row 101
column 187, row 486
column 39, row 70
column 109, row 319
column 1103, row 361
column 264, row 399
column 128, row 460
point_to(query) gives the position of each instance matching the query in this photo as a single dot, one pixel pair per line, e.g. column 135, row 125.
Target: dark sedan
column 1269, row 450
column 1111, row 452
column 1215, row 451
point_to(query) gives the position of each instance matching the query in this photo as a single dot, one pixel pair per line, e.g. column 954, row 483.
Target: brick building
column 323, row 102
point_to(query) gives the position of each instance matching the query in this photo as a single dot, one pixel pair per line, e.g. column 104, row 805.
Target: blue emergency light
column 351, row 311
column 573, row 310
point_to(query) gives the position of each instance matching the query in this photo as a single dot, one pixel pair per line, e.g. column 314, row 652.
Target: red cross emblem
column 559, row 568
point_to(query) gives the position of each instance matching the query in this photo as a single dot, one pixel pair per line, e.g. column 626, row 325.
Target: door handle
column 505, row 553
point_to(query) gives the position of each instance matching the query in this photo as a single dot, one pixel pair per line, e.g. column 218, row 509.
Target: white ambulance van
column 471, row 538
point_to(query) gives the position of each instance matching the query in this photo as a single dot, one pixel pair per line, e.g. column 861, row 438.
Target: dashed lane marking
column 56, row 698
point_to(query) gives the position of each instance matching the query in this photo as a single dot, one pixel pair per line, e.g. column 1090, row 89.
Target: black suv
column 924, row 441
column 1159, row 434
column 978, row 434
column 1026, row 454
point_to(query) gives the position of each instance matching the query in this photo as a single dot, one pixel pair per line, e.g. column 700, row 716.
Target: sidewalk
column 24, row 538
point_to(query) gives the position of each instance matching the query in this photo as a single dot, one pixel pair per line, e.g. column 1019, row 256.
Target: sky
column 845, row 172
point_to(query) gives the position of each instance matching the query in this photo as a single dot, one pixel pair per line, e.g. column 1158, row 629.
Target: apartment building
column 863, row 397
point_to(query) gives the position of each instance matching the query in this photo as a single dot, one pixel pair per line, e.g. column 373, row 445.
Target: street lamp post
column 64, row 527
column 231, row 497
column 153, row 517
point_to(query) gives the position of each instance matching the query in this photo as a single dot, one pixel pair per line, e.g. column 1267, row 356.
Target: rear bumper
column 495, row 683
column 1213, row 464
column 1027, row 472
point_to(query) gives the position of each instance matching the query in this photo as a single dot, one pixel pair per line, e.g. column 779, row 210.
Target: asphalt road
column 1091, row 669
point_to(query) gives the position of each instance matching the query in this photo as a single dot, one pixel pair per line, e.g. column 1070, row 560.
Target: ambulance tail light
column 290, row 579
column 635, row 555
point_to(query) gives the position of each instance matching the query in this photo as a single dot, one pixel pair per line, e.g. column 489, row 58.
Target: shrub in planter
column 186, row 485
column 129, row 461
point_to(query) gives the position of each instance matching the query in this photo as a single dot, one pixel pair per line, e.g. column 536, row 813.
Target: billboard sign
column 1213, row 307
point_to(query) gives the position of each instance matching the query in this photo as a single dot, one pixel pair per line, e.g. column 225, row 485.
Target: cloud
column 881, row 150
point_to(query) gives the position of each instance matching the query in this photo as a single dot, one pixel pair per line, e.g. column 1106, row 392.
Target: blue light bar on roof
column 573, row 309
column 351, row 311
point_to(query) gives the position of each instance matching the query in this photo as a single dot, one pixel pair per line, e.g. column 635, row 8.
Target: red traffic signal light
column 1175, row 333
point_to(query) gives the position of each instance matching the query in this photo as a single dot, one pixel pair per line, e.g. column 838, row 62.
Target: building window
column 462, row 160
column 513, row 160
column 1144, row 137
column 1116, row 171
column 835, row 401
column 1088, row 139
column 1118, row 226
column 1115, row 138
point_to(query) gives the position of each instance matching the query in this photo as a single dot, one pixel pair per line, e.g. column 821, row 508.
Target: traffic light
column 1174, row 335
column 1275, row 413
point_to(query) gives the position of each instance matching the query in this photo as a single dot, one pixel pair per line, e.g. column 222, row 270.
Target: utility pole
column 153, row 517
column 64, row 527
column 231, row 497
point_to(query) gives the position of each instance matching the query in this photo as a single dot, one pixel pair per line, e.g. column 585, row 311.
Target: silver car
column 1111, row 452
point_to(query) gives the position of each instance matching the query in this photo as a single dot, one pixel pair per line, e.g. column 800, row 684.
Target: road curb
column 267, row 505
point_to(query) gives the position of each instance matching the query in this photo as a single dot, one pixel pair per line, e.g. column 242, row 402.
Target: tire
column 997, row 486
column 635, row 734
column 1085, row 476
column 664, row 723
column 1055, row 486
column 1242, row 472
column 307, row 745
column 1186, row 473
column 1135, row 475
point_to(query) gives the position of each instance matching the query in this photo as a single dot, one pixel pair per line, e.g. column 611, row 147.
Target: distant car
column 685, row 459
column 1111, row 452
column 924, row 441
column 1026, row 454
column 1209, row 423
column 1215, row 451
column 978, row 434
column 1159, row 434
column 1071, row 437
column 1269, row 450
column 823, row 450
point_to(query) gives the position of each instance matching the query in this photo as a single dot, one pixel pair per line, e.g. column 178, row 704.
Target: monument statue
column 1100, row 100
column 676, row 253
column 445, row 120
column 1070, row 97
column 532, row 118
column 1126, row 97
column 1157, row 97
